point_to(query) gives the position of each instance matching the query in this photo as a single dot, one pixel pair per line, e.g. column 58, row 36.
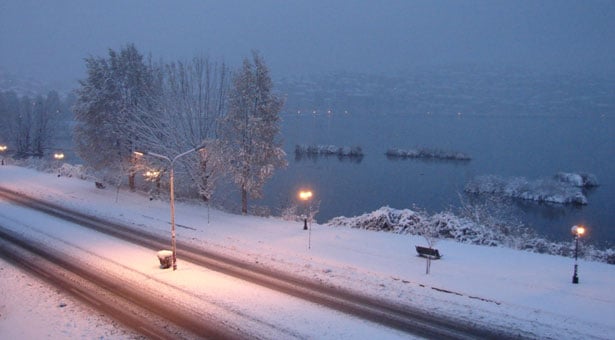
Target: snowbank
column 447, row 225
column 427, row 153
column 563, row 190
column 61, row 169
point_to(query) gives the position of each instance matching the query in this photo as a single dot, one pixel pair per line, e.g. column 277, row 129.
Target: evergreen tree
column 250, row 129
column 110, row 103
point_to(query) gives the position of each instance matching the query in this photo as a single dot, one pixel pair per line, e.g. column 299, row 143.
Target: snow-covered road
column 235, row 303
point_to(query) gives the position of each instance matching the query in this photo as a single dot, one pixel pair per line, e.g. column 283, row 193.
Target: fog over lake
column 48, row 40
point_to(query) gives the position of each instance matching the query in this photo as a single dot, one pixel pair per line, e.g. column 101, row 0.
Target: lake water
column 531, row 147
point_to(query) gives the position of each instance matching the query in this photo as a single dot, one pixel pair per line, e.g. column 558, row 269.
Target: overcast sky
column 49, row 39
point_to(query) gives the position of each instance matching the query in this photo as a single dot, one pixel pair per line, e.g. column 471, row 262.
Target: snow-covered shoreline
column 563, row 188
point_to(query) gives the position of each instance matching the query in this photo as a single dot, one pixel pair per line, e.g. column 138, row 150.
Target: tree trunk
column 244, row 201
column 131, row 180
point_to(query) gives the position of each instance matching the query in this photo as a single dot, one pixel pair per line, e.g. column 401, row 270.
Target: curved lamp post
column 577, row 231
column 171, row 191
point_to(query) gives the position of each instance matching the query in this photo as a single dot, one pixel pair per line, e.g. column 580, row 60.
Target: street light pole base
column 305, row 227
column 575, row 277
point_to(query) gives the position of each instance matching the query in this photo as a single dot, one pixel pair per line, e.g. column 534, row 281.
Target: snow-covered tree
column 185, row 115
column 109, row 104
column 195, row 100
column 250, row 129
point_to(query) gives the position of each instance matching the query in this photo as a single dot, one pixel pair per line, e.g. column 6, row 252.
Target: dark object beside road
column 428, row 252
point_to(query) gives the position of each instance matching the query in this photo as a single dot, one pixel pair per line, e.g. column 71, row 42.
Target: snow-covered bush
column 383, row 219
column 50, row 166
column 447, row 225
column 70, row 170
column 428, row 154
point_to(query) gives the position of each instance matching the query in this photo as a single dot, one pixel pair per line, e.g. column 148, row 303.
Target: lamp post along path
column 171, row 193
column 578, row 231
column 306, row 195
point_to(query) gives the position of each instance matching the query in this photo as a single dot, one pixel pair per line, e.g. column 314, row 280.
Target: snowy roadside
column 525, row 292
column 31, row 309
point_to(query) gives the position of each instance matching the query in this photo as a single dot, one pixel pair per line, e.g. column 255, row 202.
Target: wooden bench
column 428, row 252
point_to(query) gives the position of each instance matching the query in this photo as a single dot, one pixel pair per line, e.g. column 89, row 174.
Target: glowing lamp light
column 58, row 155
column 152, row 174
column 305, row 195
column 578, row 230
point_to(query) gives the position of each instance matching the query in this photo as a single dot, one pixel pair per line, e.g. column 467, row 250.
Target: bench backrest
column 427, row 251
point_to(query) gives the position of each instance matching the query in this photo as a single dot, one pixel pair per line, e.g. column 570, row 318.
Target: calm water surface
column 531, row 147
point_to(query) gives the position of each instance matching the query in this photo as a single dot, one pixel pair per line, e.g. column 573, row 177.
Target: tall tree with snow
column 185, row 115
column 109, row 104
column 194, row 102
column 250, row 129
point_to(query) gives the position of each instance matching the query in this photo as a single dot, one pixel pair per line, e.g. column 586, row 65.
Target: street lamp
column 58, row 156
column 577, row 231
column 2, row 150
column 305, row 195
column 171, row 192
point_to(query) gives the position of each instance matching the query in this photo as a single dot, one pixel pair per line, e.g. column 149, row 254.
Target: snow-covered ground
column 31, row 309
column 521, row 291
